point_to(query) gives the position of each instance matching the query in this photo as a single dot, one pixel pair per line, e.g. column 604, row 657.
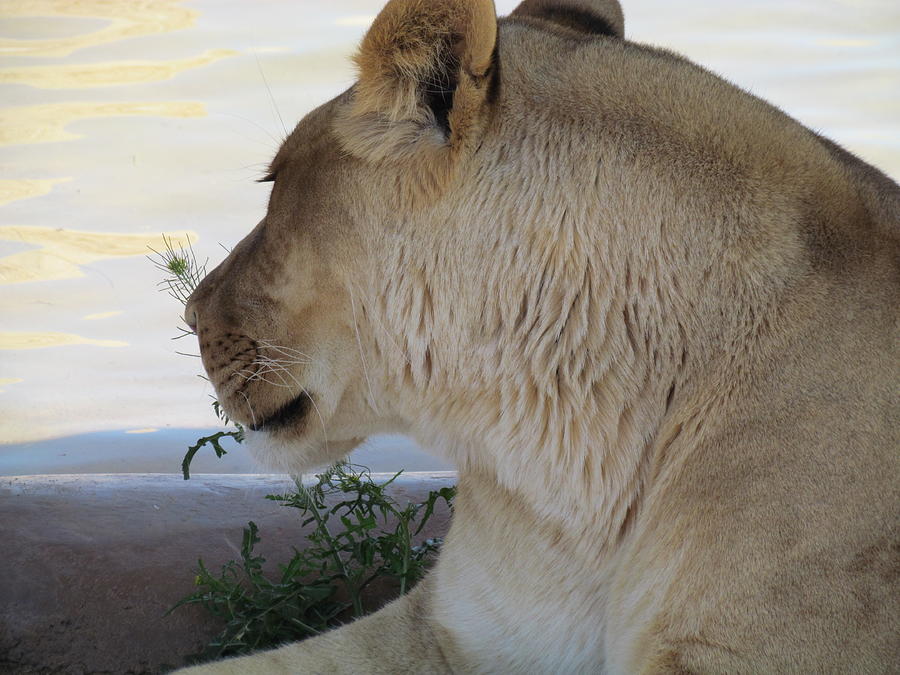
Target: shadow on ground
column 92, row 562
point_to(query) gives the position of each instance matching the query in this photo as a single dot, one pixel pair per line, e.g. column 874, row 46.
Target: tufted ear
column 596, row 17
column 425, row 69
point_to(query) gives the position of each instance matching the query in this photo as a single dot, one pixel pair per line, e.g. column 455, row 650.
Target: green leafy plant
column 359, row 536
column 182, row 273
column 214, row 440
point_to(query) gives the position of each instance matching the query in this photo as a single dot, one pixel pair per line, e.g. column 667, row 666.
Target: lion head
column 516, row 237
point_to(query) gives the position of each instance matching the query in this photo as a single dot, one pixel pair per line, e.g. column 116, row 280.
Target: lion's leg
column 399, row 638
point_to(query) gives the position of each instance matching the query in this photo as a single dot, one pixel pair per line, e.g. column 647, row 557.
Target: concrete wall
column 90, row 563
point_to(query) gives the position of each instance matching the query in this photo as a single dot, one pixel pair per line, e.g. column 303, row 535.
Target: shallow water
column 122, row 121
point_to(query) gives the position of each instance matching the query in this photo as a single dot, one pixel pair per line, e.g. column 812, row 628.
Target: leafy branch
column 326, row 581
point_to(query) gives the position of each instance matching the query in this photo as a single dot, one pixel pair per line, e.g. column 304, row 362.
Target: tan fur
column 412, row 49
column 652, row 319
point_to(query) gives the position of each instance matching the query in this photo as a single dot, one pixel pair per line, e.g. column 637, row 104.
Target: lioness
column 651, row 318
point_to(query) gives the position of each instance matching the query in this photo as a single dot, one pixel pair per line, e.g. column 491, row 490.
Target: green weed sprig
column 183, row 273
column 365, row 536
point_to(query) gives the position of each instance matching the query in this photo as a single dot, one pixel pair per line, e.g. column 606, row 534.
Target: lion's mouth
column 287, row 415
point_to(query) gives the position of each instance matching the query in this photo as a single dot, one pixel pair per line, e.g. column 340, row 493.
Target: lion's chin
column 284, row 453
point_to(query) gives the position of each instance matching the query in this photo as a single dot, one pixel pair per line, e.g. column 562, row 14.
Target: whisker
column 271, row 97
column 287, row 362
column 277, row 372
column 269, row 366
column 249, row 407
column 259, row 374
column 286, row 351
column 258, row 126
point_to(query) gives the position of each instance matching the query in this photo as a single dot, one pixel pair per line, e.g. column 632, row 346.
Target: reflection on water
column 83, row 76
column 12, row 190
column 46, row 123
column 846, row 43
column 22, row 340
column 46, row 28
column 63, row 252
column 127, row 18
column 68, row 237
column 166, row 134
column 4, row 381
column 101, row 315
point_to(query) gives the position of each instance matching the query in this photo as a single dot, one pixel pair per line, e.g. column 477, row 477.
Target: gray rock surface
column 89, row 564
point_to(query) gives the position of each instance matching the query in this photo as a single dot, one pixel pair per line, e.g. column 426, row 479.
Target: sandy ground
column 91, row 563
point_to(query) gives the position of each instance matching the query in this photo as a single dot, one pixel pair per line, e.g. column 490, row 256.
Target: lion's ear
column 424, row 75
column 596, row 17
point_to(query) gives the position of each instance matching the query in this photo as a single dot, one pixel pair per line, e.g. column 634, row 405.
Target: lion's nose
column 190, row 315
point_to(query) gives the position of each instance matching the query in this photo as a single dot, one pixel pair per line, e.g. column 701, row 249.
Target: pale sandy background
column 122, row 120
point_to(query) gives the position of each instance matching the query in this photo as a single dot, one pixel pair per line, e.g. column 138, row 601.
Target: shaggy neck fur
column 573, row 308
column 553, row 368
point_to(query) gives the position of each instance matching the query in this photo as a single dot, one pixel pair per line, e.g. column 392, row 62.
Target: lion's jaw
column 278, row 320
